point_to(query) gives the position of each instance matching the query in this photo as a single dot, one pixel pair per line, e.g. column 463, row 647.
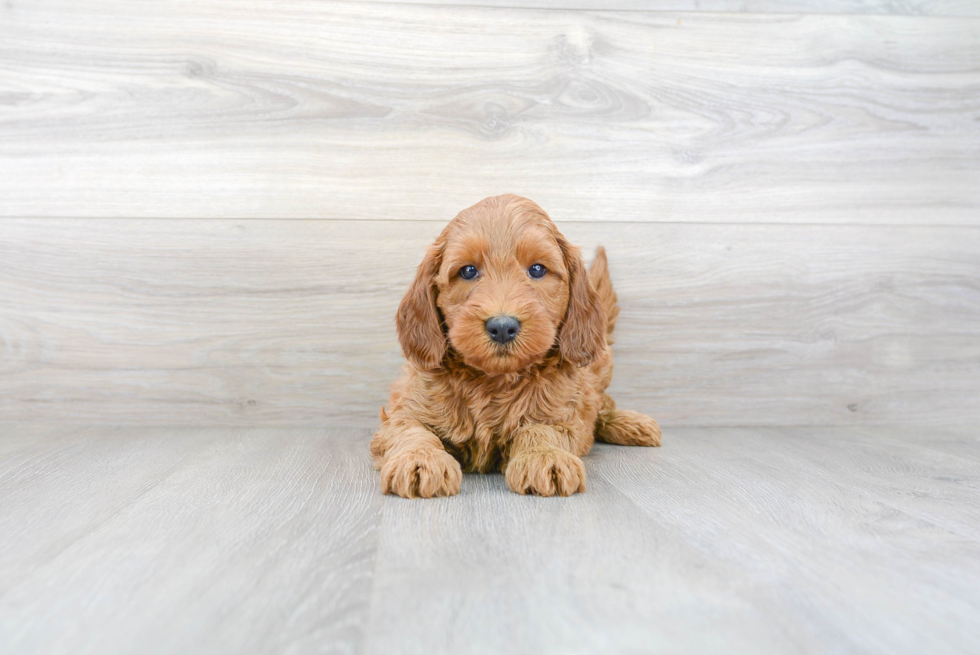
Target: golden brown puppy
column 507, row 339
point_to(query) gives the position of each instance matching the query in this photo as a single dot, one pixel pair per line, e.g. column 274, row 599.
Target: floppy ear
column 418, row 320
column 583, row 334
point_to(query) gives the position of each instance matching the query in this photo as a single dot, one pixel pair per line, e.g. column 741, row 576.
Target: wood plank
column 253, row 542
column 53, row 484
column 350, row 110
column 492, row 571
column 258, row 540
column 775, row 558
column 959, row 441
column 833, row 556
column 920, row 480
column 885, row 7
column 291, row 322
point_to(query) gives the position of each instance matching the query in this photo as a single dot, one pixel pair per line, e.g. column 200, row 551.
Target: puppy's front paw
column 546, row 472
column 422, row 473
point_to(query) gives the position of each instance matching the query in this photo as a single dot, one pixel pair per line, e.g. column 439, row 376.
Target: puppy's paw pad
column 628, row 428
column 550, row 472
column 421, row 474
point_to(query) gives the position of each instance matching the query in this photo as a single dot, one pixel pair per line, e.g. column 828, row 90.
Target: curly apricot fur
column 531, row 407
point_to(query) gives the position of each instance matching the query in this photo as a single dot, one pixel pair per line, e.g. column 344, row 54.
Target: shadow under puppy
column 508, row 339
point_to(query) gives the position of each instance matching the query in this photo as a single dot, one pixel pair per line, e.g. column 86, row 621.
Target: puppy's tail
column 599, row 277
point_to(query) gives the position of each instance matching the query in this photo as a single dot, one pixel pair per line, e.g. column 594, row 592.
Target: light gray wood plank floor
column 754, row 540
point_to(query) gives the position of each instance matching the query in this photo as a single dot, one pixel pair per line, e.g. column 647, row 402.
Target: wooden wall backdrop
column 209, row 210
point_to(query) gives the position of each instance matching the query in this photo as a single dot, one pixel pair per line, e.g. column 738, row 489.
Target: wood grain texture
column 259, row 540
column 884, row 7
column 291, row 322
column 357, row 110
column 504, row 573
column 831, row 527
column 950, row 440
column 187, row 541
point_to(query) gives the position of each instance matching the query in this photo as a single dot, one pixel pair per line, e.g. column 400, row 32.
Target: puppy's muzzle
column 503, row 329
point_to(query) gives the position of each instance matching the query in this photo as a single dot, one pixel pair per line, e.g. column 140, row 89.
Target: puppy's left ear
column 583, row 334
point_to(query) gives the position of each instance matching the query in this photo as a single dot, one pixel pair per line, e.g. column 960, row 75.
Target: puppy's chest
column 491, row 413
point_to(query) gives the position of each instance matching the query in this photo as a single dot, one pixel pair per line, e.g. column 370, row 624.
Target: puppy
column 507, row 338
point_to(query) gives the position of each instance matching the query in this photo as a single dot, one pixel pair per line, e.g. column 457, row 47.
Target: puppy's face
column 502, row 287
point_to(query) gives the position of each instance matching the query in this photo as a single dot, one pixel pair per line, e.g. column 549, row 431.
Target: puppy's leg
column 624, row 427
column 413, row 461
column 540, row 462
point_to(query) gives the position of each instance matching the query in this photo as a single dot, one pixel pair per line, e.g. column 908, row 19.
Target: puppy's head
column 502, row 287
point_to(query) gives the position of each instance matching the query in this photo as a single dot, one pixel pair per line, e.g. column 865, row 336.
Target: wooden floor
column 276, row 540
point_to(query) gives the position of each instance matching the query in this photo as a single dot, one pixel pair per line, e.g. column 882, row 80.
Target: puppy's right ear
column 418, row 320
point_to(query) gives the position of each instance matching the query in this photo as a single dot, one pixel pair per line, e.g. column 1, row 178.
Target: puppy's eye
column 468, row 272
column 537, row 270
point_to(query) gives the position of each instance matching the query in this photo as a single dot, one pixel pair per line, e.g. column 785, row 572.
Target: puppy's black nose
column 503, row 329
